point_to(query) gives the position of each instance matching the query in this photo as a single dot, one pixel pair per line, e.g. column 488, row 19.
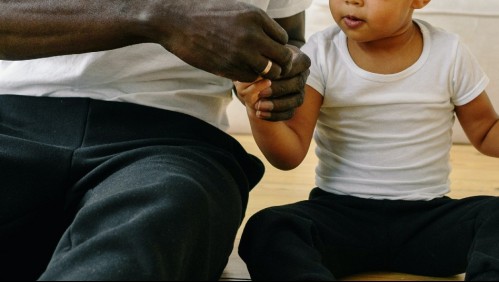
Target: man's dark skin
column 225, row 37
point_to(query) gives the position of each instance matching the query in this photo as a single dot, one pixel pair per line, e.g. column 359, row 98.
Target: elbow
column 3, row 55
column 489, row 151
column 287, row 164
column 487, row 145
column 9, row 54
column 288, row 158
column 8, row 51
column 285, row 167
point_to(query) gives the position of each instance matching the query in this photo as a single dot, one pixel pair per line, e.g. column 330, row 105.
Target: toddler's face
column 370, row 20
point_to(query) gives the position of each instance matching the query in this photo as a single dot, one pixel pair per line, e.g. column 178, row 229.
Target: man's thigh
column 160, row 212
column 32, row 193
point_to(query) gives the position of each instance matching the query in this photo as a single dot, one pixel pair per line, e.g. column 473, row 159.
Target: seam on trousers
column 84, row 131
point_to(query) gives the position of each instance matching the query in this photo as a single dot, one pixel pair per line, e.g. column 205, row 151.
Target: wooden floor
column 473, row 174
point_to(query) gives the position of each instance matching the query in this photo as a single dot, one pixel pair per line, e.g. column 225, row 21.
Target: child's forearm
column 283, row 147
column 286, row 143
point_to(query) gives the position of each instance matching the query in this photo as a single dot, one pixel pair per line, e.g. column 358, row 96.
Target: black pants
column 95, row 190
column 330, row 236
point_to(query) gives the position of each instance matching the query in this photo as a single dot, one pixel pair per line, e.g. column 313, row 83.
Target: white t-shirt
column 389, row 136
column 144, row 74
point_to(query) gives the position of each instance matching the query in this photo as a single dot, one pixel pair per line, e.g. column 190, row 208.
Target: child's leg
column 318, row 240
column 484, row 254
column 446, row 237
column 332, row 236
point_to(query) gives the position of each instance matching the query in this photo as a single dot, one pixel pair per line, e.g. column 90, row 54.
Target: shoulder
column 436, row 33
column 441, row 45
column 326, row 34
column 322, row 40
column 323, row 48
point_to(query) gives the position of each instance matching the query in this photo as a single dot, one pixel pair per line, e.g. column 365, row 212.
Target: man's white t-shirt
column 389, row 136
column 144, row 74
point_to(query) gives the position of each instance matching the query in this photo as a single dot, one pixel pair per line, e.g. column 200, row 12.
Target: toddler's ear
column 420, row 4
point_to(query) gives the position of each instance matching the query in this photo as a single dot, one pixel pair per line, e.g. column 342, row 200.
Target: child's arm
column 481, row 124
column 285, row 144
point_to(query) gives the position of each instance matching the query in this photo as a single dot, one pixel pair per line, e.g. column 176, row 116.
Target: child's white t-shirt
column 144, row 74
column 389, row 136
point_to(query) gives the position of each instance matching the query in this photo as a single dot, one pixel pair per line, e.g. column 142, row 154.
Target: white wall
column 476, row 21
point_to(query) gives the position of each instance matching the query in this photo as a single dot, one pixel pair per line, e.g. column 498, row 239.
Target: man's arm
column 224, row 37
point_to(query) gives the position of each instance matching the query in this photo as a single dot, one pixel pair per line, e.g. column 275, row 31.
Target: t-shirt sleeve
column 469, row 79
column 286, row 8
column 317, row 75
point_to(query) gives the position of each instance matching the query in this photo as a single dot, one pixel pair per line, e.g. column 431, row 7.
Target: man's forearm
column 225, row 37
column 40, row 28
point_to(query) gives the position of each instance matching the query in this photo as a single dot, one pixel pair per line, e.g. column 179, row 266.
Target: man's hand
column 279, row 102
column 225, row 37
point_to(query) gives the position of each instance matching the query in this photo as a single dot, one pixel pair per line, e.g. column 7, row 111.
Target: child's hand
column 250, row 95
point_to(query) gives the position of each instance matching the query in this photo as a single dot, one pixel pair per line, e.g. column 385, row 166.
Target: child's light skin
column 378, row 33
column 251, row 93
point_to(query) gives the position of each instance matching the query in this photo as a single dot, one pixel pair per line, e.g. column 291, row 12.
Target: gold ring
column 267, row 69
